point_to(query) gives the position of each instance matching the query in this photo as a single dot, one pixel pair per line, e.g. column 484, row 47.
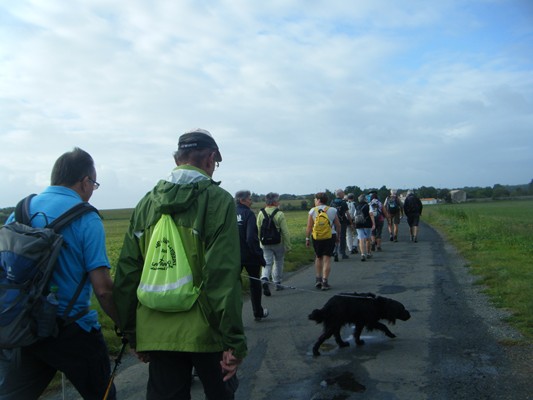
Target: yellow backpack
column 322, row 226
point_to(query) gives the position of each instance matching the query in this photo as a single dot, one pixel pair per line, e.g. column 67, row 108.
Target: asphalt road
column 455, row 346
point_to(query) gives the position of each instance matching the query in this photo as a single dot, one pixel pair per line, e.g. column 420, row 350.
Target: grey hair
column 242, row 195
column 339, row 193
column 271, row 198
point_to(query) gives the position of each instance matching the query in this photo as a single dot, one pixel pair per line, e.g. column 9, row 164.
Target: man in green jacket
column 210, row 336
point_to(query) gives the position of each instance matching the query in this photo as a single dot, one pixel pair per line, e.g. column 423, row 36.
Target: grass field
column 495, row 239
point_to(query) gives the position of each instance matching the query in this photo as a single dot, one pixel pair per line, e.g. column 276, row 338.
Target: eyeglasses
column 96, row 185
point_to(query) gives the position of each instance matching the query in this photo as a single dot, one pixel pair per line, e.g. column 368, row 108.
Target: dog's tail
column 316, row 315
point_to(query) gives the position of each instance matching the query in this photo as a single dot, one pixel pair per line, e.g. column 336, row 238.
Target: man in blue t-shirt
column 79, row 350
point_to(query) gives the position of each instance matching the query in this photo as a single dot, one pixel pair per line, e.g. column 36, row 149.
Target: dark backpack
column 411, row 205
column 360, row 217
column 392, row 205
column 27, row 260
column 341, row 207
column 269, row 233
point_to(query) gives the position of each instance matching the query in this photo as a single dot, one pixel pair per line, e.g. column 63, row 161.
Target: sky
column 300, row 96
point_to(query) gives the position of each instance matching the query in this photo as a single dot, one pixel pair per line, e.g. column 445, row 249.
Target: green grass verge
column 495, row 239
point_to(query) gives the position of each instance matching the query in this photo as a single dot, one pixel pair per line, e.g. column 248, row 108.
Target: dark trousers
column 170, row 376
column 82, row 356
column 254, row 272
column 343, row 239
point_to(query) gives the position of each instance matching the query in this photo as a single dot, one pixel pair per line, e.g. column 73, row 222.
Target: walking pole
column 117, row 363
column 63, row 384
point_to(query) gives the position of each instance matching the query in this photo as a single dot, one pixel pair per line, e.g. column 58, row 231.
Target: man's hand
column 143, row 356
column 229, row 364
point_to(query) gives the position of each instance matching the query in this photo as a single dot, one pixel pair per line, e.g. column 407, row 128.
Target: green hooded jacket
column 205, row 216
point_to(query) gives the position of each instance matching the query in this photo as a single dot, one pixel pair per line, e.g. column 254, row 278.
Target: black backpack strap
column 59, row 223
column 70, row 215
column 272, row 217
column 22, row 210
column 68, row 320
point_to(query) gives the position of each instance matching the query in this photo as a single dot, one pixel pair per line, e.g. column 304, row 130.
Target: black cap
column 199, row 139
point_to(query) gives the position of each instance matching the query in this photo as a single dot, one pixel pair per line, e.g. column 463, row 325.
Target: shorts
column 413, row 219
column 378, row 229
column 325, row 247
column 395, row 218
column 364, row 233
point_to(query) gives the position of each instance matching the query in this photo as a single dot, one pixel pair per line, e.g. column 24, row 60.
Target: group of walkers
column 351, row 225
column 211, row 238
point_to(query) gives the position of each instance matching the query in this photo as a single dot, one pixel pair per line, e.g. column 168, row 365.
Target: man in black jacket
column 251, row 253
column 412, row 208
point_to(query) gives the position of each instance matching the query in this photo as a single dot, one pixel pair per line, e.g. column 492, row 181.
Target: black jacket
column 251, row 252
column 412, row 205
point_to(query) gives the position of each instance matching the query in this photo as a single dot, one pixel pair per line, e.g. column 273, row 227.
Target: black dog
column 361, row 309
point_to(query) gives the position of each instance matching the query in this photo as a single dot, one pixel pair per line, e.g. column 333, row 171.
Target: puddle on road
column 346, row 381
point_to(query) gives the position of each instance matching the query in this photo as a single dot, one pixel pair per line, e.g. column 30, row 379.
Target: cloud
column 300, row 96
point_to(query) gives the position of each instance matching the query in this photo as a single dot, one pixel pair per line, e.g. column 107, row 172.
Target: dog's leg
column 322, row 338
column 338, row 338
column 384, row 329
column 357, row 334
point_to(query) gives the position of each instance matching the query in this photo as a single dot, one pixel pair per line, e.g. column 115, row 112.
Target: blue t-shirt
column 84, row 250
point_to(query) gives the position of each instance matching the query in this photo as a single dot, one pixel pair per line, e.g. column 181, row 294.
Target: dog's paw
column 344, row 344
column 360, row 342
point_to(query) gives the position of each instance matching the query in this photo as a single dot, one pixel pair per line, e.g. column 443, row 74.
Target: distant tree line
column 306, row 201
column 472, row 193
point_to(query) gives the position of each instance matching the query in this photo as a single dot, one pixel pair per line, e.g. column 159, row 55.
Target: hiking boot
column 391, row 238
column 354, row 251
column 395, row 238
column 345, row 256
column 336, row 258
column 373, row 247
column 363, row 257
column 369, row 255
column 318, row 283
column 415, row 239
column 325, row 284
column 266, row 289
column 379, row 248
column 279, row 287
column 265, row 314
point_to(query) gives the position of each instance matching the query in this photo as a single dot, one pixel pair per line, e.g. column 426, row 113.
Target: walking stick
column 118, row 360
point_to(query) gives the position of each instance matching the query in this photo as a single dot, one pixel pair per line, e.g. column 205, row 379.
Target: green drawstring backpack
column 167, row 279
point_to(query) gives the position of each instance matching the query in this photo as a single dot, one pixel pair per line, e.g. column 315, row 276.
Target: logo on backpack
column 269, row 233
column 167, row 282
column 321, row 226
column 28, row 258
